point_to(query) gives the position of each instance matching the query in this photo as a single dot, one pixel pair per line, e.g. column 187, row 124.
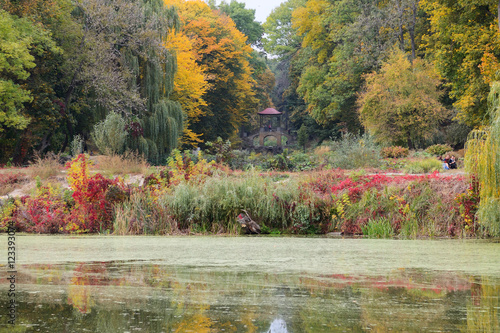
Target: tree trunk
column 400, row 11
column 45, row 143
column 412, row 29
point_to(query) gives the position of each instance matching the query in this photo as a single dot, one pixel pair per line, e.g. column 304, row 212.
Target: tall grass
column 378, row 228
column 424, row 166
column 45, row 167
column 143, row 215
column 353, row 152
column 127, row 163
column 214, row 205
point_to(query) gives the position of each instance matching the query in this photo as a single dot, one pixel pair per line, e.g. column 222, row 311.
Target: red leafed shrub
column 93, row 210
column 44, row 213
column 468, row 203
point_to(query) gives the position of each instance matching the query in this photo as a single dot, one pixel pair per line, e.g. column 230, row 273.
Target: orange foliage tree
column 220, row 50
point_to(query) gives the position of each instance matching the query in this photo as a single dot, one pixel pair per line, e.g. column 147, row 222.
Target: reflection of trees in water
column 483, row 308
column 111, row 297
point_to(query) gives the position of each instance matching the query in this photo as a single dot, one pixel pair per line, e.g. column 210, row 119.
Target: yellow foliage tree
column 400, row 104
column 190, row 85
column 463, row 40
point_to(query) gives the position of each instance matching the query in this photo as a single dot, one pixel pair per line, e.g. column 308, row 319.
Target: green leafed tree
column 17, row 39
column 244, row 18
column 302, row 137
column 400, row 103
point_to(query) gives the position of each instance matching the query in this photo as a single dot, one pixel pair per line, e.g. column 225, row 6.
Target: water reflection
column 278, row 326
column 121, row 296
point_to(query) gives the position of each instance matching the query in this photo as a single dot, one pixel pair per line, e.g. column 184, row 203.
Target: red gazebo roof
column 269, row 111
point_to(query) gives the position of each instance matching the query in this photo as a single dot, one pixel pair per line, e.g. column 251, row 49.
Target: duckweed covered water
column 252, row 284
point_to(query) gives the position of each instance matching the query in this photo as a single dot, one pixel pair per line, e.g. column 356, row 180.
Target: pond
column 251, row 284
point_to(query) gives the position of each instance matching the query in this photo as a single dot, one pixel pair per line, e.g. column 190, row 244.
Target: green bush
column 394, row 152
column 439, row 149
column 109, row 135
column 76, row 146
column 302, row 162
column 353, row 152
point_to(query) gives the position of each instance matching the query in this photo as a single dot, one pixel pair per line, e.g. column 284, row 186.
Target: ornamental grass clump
column 213, row 206
column 143, row 215
column 423, row 166
column 46, row 167
column 394, row 152
column 126, row 163
column 378, row 228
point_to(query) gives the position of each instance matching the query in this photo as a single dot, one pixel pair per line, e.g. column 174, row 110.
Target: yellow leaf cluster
column 190, row 84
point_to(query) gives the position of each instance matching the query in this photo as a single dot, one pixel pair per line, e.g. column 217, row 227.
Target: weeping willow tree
column 162, row 120
column 482, row 160
column 122, row 66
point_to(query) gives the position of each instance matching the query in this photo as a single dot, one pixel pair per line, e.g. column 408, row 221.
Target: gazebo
column 271, row 125
column 270, row 120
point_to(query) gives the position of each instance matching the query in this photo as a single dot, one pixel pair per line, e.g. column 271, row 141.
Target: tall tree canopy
column 224, row 56
column 244, row 19
column 347, row 39
column 401, row 102
column 113, row 60
column 124, row 67
column 31, row 61
column 465, row 45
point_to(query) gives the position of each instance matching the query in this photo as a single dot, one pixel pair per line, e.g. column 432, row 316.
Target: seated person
column 452, row 163
column 446, row 161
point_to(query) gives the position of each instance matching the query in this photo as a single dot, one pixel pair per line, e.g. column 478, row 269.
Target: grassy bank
column 205, row 197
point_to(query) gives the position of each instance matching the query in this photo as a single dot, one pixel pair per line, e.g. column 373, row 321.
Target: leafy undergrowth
column 206, row 197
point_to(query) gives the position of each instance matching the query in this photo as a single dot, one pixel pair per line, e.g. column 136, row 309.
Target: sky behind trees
column 262, row 7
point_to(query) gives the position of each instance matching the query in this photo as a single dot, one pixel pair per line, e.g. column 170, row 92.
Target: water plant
column 378, row 228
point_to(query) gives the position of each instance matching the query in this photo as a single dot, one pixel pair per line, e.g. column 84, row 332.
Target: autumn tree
column 463, row 41
column 400, row 103
column 190, row 84
column 222, row 53
column 245, row 22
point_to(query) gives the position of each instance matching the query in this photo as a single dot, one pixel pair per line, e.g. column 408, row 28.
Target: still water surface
column 250, row 284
